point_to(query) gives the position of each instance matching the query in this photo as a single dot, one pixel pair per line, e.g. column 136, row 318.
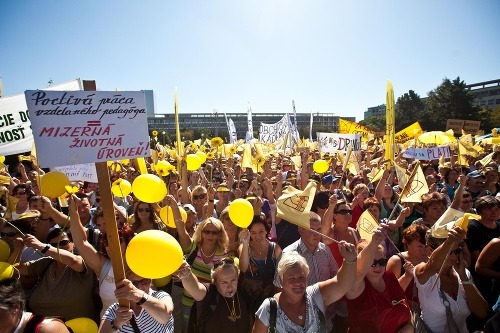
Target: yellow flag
column 408, row 133
column 295, row 205
column 450, row 218
column 366, row 225
column 389, row 124
column 402, row 176
column 297, row 161
column 349, row 127
column 375, row 174
column 415, row 187
column 487, row 159
column 246, row 158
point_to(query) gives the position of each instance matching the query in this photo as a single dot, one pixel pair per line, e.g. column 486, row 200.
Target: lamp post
column 215, row 112
column 164, row 137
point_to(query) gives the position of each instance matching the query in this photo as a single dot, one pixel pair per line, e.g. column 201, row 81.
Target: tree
column 409, row 109
column 375, row 123
column 450, row 100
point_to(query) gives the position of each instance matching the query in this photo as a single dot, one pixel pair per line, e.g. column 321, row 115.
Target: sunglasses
column 344, row 212
column 213, row 232
column 142, row 210
column 224, row 261
column 8, row 234
column 63, row 242
column 381, row 262
column 143, row 282
column 199, row 196
column 457, row 251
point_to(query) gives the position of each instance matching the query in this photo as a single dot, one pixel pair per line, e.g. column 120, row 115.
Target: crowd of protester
column 273, row 275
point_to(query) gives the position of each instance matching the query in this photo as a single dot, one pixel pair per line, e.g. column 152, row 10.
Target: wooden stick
column 442, row 266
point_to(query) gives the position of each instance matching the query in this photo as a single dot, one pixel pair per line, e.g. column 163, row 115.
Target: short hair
column 372, row 201
column 432, row 241
column 222, row 241
column 224, row 263
column 314, row 216
column 289, row 260
column 486, row 201
column 414, row 232
column 433, row 198
column 11, row 294
column 320, row 200
column 359, row 188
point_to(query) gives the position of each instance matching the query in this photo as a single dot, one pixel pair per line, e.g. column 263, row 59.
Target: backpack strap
column 273, row 312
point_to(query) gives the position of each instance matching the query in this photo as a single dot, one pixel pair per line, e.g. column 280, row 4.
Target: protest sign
column 270, row 133
column 408, row 133
column 334, row 142
column 88, row 126
column 427, row 154
column 349, row 127
column 468, row 126
column 79, row 172
column 16, row 136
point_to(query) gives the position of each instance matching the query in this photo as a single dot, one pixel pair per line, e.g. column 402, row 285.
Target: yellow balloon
column 154, row 254
column 53, row 184
column 4, row 250
column 6, row 271
column 125, row 161
column 2, row 159
column 162, row 282
column 121, row 188
column 193, row 162
column 202, row 156
column 241, row 212
column 167, row 216
column 149, row 188
column 82, row 325
column 320, row 166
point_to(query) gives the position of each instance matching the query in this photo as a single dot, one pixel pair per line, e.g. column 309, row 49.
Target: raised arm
column 184, row 238
column 379, row 190
column 326, row 227
column 244, row 249
column 457, row 199
column 190, row 282
column 59, row 217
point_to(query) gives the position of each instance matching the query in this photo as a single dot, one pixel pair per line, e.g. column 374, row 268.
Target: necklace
column 232, row 312
column 203, row 252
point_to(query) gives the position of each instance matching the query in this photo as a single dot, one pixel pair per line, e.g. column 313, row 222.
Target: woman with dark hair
column 434, row 205
column 450, row 183
column 98, row 260
column 402, row 264
column 14, row 317
column 21, row 194
column 145, row 218
column 258, row 257
column 64, row 278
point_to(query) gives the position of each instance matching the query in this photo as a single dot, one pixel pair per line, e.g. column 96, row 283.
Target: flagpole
column 442, row 266
column 325, row 236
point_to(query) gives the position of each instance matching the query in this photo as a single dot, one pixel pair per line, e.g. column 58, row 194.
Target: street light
column 215, row 112
column 164, row 138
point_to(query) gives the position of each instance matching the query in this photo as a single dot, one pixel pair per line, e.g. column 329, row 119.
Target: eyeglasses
column 63, row 242
column 344, row 212
column 142, row 210
column 213, row 232
column 21, row 193
column 224, row 261
column 199, row 196
column 143, row 282
column 8, row 234
column 381, row 262
column 457, row 251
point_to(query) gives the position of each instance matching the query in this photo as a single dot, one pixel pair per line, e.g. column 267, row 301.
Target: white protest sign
column 428, row 154
column 80, row 172
column 333, row 142
column 270, row 133
column 16, row 136
column 88, row 126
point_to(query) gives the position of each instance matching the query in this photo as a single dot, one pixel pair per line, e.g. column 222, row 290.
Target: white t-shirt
column 433, row 310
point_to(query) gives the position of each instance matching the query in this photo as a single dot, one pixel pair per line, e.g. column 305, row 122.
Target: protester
column 145, row 218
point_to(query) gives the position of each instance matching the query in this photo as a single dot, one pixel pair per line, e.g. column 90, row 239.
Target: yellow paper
column 366, row 225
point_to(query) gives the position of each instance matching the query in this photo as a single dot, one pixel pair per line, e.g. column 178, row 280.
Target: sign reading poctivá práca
column 75, row 127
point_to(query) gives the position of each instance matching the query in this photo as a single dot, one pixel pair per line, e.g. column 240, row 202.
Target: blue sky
column 329, row 56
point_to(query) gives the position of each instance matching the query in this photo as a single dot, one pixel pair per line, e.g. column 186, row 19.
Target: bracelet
column 45, row 249
column 113, row 327
column 143, row 299
column 351, row 262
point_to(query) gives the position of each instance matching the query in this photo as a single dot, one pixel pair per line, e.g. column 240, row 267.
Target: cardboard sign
column 88, row 126
column 457, row 125
column 428, row 154
column 16, row 136
column 408, row 133
column 80, row 172
column 334, row 142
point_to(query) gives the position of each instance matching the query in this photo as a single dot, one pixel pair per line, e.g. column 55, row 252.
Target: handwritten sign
column 428, row 154
column 16, row 136
column 80, row 172
column 457, row 125
column 349, row 127
column 88, row 126
column 270, row 133
column 334, row 142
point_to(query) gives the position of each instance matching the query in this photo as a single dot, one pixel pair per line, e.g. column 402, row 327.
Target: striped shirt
column 145, row 322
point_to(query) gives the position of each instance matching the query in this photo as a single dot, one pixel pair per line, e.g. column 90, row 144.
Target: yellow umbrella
column 436, row 137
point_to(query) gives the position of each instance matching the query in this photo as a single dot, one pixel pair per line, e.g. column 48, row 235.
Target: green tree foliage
column 450, row 100
column 409, row 109
column 375, row 123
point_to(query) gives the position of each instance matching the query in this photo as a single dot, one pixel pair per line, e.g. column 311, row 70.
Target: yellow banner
column 389, row 124
column 294, row 205
column 367, row 224
column 408, row 133
column 348, row 127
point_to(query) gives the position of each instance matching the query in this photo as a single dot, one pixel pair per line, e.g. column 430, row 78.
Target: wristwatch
column 45, row 249
column 143, row 299
column 469, row 281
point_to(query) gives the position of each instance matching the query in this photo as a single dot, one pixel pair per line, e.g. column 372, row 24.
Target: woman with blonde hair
column 207, row 246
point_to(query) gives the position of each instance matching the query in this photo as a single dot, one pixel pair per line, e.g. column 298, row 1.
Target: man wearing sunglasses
column 220, row 306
